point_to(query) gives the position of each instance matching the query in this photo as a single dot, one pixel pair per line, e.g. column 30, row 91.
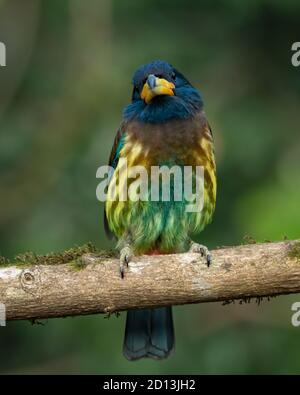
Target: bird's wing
column 113, row 162
column 210, row 130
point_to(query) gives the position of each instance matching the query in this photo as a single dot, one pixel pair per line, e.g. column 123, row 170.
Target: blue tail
column 149, row 333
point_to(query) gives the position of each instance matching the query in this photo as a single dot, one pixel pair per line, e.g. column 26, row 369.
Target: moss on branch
column 73, row 256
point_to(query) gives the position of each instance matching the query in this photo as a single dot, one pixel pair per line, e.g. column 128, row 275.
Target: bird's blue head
column 160, row 94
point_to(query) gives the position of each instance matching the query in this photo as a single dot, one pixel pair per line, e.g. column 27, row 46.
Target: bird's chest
column 171, row 143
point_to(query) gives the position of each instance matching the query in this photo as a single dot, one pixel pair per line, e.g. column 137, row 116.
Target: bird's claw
column 125, row 257
column 202, row 250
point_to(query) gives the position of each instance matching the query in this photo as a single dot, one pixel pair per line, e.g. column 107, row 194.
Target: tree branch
column 92, row 284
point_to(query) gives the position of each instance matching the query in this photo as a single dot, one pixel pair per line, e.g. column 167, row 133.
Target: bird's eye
column 135, row 93
column 173, row 76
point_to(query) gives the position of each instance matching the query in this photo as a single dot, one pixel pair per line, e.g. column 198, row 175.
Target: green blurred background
column 68, row 74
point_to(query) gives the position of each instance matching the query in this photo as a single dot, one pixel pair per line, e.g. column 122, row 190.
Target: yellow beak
column 155, row 86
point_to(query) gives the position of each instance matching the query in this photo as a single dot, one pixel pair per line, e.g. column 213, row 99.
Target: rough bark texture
column 254, row 270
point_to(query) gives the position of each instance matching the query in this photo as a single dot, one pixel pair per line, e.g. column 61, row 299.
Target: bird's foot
column 201, row 249
column 126, row 254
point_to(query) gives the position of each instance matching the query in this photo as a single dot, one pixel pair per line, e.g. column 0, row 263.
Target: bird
column 163, row 125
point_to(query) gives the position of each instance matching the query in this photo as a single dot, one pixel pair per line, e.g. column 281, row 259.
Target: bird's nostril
column 151, row 81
